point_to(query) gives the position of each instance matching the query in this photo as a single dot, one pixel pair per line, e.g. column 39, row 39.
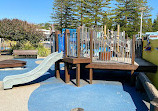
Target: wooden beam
column 76, row 60
column 78, row 75
column 57, row 69
column 66, row 32
column 56, row 40
column 118, row 34
column 57, row 64
column 90, row 75
column 133, row 50
column 105, row 39
column 78, row 43
column 67, row 75
column 91, row 45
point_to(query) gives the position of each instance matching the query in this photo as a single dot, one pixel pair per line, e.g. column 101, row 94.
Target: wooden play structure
column 95, row 48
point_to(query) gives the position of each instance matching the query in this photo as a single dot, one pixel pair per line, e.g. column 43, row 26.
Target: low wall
column 152, row 56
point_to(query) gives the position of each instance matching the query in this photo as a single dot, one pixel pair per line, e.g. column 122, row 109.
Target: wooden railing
column 100, row 46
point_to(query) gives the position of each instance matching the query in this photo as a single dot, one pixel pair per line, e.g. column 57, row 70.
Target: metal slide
column 9, row 81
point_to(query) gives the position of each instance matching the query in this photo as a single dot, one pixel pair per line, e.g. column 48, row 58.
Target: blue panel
column 61, row 42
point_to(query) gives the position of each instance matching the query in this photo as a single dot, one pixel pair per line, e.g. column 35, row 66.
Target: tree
column 63, row 14
column 147, row 27
column 92, row 12
column 155, row 24
column 127, row 14
column 46, row 26
column 20, row 31
column 74, row 13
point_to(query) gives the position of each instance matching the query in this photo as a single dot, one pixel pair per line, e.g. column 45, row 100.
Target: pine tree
column 92, row 12
column 148, row 26
column 127, row 14
column 63, row 15
column 155, row 24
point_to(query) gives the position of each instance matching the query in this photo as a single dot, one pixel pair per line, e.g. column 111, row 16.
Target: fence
column 107, row 46
column 111, row 47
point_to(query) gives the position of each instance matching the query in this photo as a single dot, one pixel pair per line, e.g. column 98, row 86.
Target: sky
column 39, row 11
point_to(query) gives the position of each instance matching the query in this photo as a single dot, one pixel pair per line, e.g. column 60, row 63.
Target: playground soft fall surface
column 110, row 91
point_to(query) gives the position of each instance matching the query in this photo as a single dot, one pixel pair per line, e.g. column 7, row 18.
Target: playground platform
column 145, row 66
column 95, row 48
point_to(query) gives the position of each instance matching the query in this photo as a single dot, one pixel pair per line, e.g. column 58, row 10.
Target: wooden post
column 78, row 56
column 57, row 64
column 0, row 45
column 90, row 75
column 118, row 34
column 132, row 61
column 105, row 41
column 91, row 45
column 78, row 43
column 66, row 32
column 51, row 42
column 91, row 56
column 78, row 75
column 67, row 75
column 133, row 50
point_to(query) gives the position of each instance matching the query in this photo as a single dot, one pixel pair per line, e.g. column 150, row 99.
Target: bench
column 25, row 53
column 142, row 81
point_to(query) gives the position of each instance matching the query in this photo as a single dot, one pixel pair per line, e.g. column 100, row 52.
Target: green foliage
column 74, row 13
column 23, row 46
column 71, row 14
column 155, row 25
column 127, row 14
column 63, row 14
column 18, row 30
column 46, row 26
column 42, row 51
column 147, row 27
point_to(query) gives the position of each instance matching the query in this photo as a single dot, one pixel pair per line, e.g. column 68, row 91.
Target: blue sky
column 39, row 11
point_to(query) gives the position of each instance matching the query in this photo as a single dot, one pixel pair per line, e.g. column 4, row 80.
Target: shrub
column 42, row 51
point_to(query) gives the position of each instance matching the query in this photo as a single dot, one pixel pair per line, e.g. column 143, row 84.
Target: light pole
column 142, row 9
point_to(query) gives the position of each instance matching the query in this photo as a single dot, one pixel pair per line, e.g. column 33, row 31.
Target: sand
column 16, row 99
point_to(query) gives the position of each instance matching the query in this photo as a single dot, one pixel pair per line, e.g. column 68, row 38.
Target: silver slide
column 9, row 81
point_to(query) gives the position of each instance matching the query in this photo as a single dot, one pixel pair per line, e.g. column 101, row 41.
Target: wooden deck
column 12, row 63
column 75, row 60
column 112, row 66
column 140, row 65
column 145, row 66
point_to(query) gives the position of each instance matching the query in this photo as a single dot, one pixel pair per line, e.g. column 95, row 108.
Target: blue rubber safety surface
column 102, row 96
column 55, row 95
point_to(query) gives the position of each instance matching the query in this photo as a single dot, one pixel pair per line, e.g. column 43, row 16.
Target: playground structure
column 98, row 48
column 91, row 48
